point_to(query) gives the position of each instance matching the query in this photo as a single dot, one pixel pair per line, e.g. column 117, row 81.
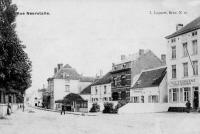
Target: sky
column 92, row 34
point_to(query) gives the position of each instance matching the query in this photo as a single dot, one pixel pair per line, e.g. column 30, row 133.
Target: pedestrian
column 8, row 109
column 23, row 107
column 188, row 106
column 63, row 109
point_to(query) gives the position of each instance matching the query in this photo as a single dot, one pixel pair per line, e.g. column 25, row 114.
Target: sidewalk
column 68, row 112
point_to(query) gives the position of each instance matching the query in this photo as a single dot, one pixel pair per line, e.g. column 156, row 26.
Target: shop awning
column 59, row 101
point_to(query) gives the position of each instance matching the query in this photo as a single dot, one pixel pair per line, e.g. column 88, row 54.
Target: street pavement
column 34, row 121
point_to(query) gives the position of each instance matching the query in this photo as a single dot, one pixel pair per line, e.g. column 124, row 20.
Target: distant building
column 150, row 87
column 65, row 80
column 183, row 58
column 124, row 72
column 101, row 89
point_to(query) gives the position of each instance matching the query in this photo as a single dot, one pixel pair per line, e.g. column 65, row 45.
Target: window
column 136, row 99
column 105, row 90
column 195, row 67
column 142, row 99
column 173, row 40
column 174, row 95
column 110, row 99
column 174, row 52
column 153, row 99
column 194, row 47
column 170, row 95
column 185, row 69
column 194, row 33
column 186, row 94
column 124, row 66
column 185, row 53
column 67, row 88
column 115, row 81
column 123, row 80
column 173, row 71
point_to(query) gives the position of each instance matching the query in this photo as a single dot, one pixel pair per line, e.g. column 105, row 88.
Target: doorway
column 196, row 98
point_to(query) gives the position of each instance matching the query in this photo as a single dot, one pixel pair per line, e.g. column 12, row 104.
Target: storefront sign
column 181, row 82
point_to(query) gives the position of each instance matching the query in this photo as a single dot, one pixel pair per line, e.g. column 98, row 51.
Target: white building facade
column 101, row 93
column 183, row 58
column 65, row 81
column 151, row 87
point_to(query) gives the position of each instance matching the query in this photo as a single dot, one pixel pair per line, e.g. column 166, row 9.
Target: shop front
column 180, row 91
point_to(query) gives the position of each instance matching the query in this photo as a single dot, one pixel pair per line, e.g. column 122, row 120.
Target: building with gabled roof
column 124, row 72
column 148, row 93
column 183, row 58
column 101, row 89
column 150, row 87
column 180, row 30
column 64, row 81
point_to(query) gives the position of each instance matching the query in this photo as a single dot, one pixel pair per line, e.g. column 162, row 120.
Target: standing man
column 63, row 109
column 188, row 106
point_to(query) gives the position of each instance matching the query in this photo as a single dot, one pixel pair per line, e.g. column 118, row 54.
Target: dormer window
column 173, row 40
column 194, row 33
column 124, row 65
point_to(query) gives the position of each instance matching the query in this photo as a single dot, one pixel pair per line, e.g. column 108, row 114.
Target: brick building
column 124, row 71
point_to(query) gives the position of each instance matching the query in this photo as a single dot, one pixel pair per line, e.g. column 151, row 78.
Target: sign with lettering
column 181, row 82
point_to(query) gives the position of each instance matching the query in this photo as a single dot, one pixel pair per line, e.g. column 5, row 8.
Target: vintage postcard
column 99, row 66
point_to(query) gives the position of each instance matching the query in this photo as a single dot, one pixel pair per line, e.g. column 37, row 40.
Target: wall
column 59, row 89
column 179, row 54
column 100, row 92
column 3, row 109
column 163, row 90
column 144, row 92
column 144, row 108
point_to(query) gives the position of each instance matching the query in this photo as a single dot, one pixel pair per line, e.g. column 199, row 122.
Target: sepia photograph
column 99, row 66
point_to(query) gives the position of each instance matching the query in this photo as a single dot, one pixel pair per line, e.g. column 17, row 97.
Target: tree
column 15, row 66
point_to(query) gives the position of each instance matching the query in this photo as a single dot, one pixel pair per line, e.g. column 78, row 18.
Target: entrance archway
column 115, row 96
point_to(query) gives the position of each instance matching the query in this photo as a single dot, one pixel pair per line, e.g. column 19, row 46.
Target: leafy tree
column 15, row 66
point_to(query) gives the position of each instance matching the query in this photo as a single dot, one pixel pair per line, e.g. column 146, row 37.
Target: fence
column 3, row 108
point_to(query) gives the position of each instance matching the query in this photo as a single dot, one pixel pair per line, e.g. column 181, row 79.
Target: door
column 196, row 98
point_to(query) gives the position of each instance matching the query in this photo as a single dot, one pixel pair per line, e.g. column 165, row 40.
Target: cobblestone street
column 46, row 122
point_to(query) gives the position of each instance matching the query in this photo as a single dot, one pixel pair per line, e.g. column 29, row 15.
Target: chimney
column 123, row 57
column 141, row 52
column 60, row 66
column 179, row 26
column 55, row 70
column 163, row 59
column 101, row 73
